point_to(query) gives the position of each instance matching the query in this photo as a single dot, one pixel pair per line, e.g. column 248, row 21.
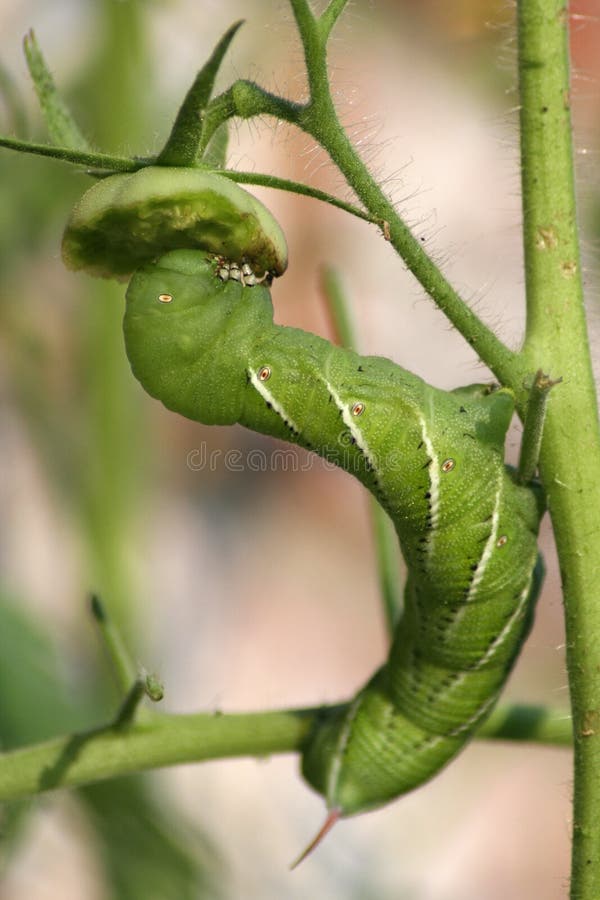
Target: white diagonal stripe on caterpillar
column 478, row 714
column 353, row 428
column 270, row 399
column 489, row 544
column 507, row 630
column 342, row 743
column 434, row 482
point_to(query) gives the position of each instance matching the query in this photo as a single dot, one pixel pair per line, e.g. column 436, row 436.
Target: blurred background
column 254, row 588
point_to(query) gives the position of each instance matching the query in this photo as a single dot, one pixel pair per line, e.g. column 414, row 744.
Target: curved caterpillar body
column 208, row 349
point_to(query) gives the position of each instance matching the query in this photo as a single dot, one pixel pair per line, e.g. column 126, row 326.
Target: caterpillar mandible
column 200, row 337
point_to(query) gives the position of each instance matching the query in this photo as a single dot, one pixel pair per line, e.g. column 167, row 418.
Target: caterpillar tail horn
column 332, row 817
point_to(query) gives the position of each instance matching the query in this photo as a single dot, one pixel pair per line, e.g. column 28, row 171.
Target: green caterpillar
column 200, row 337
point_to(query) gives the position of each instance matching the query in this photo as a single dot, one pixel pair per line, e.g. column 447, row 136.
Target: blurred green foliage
column 65, row 372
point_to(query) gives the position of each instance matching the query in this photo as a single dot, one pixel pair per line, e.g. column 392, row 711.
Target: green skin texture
column 127, row 220
column 435, row 462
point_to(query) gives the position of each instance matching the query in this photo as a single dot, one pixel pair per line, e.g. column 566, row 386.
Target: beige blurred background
column 257, row 589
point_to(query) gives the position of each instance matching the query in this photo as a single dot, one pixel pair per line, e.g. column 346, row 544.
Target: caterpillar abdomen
column 208, row 349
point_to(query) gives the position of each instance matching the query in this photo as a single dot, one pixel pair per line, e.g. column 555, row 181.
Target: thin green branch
column 296, row 187
column 330, row 17
column 314, row 44
column 254, row 100
column 61, row 125
column 124, row 668
column 327, row 130
column 247, row 100
column 167, row 740
column 184, row 141
column 386, row 549
column 130, row 705
column 557, row 340
column 306, row 22
column 338, row 308
column 533, row 431
column 89, row 160
column 521, row 722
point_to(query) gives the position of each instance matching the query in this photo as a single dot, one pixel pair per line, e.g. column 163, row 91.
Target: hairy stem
column 296, row 187
column 319, row 118
column 89, row 159
column 557, row 341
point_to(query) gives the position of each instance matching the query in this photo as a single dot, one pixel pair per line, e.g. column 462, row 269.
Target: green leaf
column 182, row 146
column 146, row 851
column 61, row 125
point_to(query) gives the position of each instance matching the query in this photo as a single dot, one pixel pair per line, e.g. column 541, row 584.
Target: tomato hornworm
column 200, row 337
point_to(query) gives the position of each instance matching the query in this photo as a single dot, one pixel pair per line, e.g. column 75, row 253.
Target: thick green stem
column 160, row 741
column 557, row 340
column 167, row 740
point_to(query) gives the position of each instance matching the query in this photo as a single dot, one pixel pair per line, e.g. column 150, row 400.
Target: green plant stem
column 297, row 187
column 386, row 549
column 533, row 431
column 123, row 666
column 128, row 709
column 90, row 160
column 161, row 741
column 330, row 16
column 521, row 722
column 557, row 341
column 167, row 740
column 338, row 308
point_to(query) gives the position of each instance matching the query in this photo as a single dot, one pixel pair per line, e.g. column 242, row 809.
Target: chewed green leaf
column 125, row 221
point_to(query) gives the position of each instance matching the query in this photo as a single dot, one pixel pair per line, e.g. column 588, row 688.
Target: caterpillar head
column 125, row 221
